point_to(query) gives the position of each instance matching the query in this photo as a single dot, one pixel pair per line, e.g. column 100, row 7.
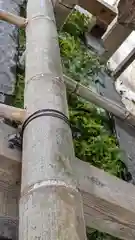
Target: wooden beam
column 13, row 19
column 93, row 97
column 124, row 64
column 100, row 9
column 114, row 37
column 17, row 114
column 109, row 203
column 12, row 113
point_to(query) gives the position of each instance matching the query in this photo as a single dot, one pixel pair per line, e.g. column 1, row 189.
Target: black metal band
column 43, row 113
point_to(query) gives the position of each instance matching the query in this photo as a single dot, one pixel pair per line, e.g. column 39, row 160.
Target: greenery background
column 92, row 131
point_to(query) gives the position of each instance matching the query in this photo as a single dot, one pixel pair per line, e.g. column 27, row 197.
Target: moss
column 18, row 99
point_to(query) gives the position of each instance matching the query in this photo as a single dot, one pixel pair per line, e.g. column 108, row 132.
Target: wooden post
column 114, row 37
column 50, row 205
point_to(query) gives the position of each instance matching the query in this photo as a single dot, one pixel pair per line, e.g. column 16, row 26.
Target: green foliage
column 18, row 100
column 95, row 235
column 21, row 39
column 78, row 62
column 93, row 140
column 77, row 24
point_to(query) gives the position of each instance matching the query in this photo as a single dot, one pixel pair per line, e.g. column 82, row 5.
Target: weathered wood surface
column 99, row 8
column 48, row 188
column 101, row 101
column 109, row 203
column 12, row 113
column 12, row 18
column 124, row 64
column 115, row 35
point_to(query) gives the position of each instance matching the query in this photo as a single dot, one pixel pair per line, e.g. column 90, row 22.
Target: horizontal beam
column 109, row 203
column 97, row 99
column 93, row 97
column 13, row 19
column 12, row 113
column 17, row 114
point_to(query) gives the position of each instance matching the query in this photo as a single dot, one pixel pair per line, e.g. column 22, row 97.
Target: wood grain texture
column 115, row 35
column 50, row 200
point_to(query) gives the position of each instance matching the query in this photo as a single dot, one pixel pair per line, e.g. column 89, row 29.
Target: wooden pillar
column 50, row 205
